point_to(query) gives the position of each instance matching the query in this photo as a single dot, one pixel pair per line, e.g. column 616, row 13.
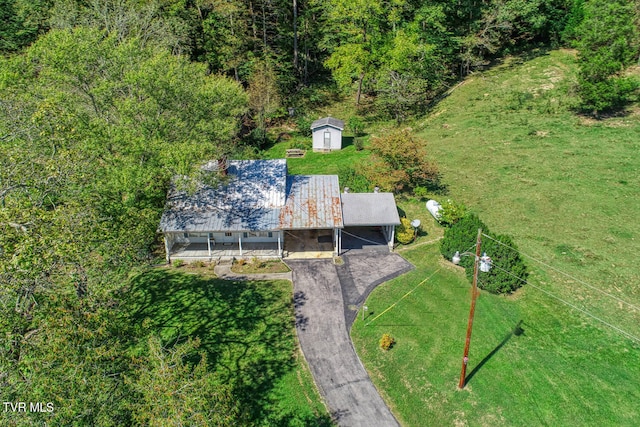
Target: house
column 256, row 209
column 327, row 134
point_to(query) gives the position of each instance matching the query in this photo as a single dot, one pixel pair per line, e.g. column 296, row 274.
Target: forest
column 102, row 102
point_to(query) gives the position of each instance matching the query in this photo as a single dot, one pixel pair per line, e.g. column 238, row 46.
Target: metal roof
column 250, row 200
column 330, row 121
column 369, row 209
column 313, row 201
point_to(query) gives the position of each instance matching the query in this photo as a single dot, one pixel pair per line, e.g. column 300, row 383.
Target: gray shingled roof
column 369, row 209
column 338, row 124
column 313, row 201
column 250, row 201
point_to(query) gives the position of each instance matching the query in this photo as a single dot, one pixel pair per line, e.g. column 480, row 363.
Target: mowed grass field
column 567, row 189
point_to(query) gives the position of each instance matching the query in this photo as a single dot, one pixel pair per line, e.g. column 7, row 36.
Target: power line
column 635, row 307
column 627, row 334
column 403, row 297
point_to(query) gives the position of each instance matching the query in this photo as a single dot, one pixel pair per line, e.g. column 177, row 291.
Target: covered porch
column 203, row 252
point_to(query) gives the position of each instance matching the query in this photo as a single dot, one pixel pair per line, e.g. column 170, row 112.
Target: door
column 327, row 140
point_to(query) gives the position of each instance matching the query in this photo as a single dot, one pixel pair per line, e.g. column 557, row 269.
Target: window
column 211, row 235
column 186, row 235
column 244, row 235
column 228, row 234
column 270, row 234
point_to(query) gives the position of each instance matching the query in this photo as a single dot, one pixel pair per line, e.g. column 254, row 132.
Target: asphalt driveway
column 325, row 301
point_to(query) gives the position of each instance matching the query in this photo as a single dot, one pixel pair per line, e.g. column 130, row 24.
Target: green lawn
column 246, row 329
column 567, row 189
column 558, row 369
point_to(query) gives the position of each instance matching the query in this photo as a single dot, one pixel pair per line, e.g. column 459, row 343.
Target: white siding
column 318, row 138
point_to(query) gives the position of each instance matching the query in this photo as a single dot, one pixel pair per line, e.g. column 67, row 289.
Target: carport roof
column 369, row 209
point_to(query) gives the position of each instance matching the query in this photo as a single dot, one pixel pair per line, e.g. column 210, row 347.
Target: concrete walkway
column 325, row 302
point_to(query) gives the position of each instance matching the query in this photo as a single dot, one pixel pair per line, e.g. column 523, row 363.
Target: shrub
column 387, row 342
column 508, row 266
column 356, row 125
column 304, row 125
column 178, row 263
column 405, row 232
column 351, row 178
column 358, row 143
column 241, row 261
column 197, row 264
column 451, row 212
column 421, row 192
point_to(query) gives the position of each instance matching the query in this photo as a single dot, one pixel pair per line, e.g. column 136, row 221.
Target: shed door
column 327, row 139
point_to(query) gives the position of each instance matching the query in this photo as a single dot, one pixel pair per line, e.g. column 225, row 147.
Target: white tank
column 435, row 209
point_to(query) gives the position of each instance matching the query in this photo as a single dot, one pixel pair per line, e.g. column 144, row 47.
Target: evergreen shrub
column 508, row 267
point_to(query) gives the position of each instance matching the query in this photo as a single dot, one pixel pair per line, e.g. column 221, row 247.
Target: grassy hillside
column 566, row 187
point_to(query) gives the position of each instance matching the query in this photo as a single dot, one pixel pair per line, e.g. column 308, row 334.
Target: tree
column 174, row 392
column 354, row 56
column 401, row 160
column 608, row 42
column 93, row 130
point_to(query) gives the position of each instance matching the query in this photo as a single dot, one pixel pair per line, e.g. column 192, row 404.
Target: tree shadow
column 246, row 330
column 517, row 331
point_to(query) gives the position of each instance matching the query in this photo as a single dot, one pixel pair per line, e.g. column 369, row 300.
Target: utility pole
column 474, row 295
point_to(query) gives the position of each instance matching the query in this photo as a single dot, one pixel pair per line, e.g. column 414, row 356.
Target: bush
column 197, row 264
column 358, row 143
column 405, row 232
column 351, row 178
column 356, row 125
column 508, row 266
column 451, row 212
column 387, row 342
column 304, row 125
column 421, row 192
column 178, row 263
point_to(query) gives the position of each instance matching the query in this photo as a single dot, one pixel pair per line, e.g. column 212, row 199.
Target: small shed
column 327, row 134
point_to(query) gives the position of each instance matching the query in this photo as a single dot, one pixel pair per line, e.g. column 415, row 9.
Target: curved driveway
column 326, row 298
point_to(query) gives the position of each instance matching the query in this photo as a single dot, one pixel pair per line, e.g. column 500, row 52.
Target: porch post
column 209, row 244
column 393, row 229
column 240, row 243
column 167, row 248
column 279, row 247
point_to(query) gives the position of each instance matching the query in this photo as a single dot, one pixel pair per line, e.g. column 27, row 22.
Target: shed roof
column 313, row 201
column 330, row 121
column 368, row 209
column 250, row 200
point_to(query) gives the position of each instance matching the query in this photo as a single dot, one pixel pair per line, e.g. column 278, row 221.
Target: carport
column 369, row 222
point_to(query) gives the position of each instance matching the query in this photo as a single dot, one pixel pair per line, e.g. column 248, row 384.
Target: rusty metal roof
column 313, row 201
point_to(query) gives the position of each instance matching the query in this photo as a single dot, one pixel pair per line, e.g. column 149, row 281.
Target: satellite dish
column 415, row 223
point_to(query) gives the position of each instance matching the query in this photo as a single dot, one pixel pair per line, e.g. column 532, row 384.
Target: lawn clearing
column 247, row 332
column 533, row 360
